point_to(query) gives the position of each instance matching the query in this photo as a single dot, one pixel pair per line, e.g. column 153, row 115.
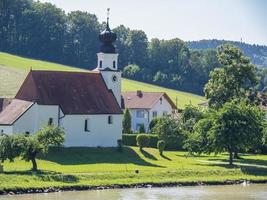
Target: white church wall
column 101, row 133
column 45, row 112
column 27, row 121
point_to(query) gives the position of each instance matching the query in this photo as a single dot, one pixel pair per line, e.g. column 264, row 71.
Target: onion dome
column 107, row 37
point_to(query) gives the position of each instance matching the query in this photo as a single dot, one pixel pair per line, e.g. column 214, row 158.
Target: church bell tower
column 107, row 62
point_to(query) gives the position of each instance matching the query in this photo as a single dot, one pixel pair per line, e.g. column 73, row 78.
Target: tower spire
column 108, row 9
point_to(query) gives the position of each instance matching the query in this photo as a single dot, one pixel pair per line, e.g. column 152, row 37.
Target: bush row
column 130, row 140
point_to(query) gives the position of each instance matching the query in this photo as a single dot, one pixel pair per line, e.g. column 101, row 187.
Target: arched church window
column 100, row 63
column 114, row 64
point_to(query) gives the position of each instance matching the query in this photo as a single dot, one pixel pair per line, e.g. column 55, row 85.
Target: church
column 87, row 105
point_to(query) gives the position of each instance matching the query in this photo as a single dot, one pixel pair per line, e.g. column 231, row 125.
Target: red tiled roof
column 144, row 101
column 74, row 92
column 13, row 111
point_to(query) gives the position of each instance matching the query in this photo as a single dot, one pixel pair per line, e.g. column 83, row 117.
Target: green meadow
column 13, row 70
column 106, row 166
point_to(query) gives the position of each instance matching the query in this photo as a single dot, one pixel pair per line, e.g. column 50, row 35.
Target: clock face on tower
column 114, row 78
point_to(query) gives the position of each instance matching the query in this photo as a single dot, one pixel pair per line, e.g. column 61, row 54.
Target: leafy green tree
column 81, row 39
column 11, row 146
column 169, row 130
column 233, row 80
column 127, row 121
column 40, row 142
column 137, row 44
column 237, row 126
column 132, row 71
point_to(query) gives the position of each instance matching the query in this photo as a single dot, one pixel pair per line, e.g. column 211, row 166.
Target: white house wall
column 101, row 133
column 6, row 129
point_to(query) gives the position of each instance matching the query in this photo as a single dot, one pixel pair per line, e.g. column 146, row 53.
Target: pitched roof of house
column 74, row 92
column 13, row 111
column 143, row 100
column 3, row 103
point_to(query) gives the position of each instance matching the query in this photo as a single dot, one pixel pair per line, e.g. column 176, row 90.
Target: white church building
column 87, row 105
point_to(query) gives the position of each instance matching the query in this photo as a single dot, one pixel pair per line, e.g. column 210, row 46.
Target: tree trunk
column 236, row 156
column 34, row 164
column 230, row 157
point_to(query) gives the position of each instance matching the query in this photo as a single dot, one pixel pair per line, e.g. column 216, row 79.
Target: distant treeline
column 43, row 31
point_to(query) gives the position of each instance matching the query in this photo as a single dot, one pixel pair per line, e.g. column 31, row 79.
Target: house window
column 140, row 113
column 27, row 133
column 114, row 64
column 87, row 125
column 50, row 121
column 100, row 63
column 154, row 114
column 110, row 119
column 165, row 113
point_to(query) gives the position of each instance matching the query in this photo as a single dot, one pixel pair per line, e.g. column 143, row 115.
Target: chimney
column 139, row 93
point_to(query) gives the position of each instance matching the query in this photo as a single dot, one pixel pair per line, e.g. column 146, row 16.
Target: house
column 87, row 105
column 145, row 106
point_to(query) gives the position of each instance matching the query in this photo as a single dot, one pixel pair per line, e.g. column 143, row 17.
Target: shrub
column 153, row 140
column 142, row 140
column 161, row 146
column 119, row 142
column 1, row 168
column 129, row 139
column 142, row 128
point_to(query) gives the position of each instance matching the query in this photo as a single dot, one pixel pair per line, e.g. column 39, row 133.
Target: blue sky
column 185, row 19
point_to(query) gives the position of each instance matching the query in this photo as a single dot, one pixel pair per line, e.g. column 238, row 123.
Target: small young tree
column 142, row 140
column 161, row 146
column 40, row 142
column 126, row 122
column 142, row 128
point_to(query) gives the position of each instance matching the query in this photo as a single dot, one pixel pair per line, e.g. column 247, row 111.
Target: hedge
column 130, row 140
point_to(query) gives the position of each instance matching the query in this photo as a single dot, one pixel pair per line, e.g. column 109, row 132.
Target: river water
column 229, row 192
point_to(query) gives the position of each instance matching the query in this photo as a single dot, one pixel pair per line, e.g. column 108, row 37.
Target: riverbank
column 96, row 168
column 19, row 191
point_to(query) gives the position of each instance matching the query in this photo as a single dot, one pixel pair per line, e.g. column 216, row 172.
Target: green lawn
column 13, row 70
column 106, row 166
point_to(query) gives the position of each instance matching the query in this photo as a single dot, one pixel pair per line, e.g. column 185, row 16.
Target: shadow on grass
column 254, row 167
column 165, row 157
column 148, row 155
column 84, row 155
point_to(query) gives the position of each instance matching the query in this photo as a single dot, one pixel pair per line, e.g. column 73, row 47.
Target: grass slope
column 13, row 70
column 107, row 166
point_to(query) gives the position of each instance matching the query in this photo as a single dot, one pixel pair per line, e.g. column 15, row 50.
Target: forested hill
column 43, row 31
column 257, row 53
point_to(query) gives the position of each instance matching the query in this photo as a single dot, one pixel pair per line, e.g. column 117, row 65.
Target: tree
column 40, row 142
column 28, row 147
column 132, row 71
column 168, row 129
column 137, row 44
column 127, row 122
column 237, row 126
column 233, row 81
